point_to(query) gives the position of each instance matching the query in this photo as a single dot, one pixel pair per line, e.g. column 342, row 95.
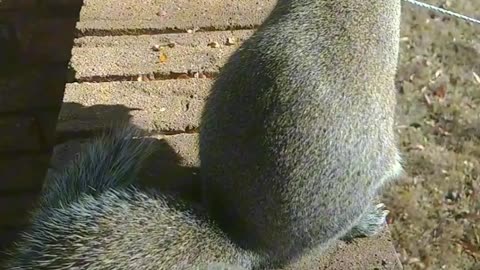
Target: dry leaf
column 441, row 91
column 470, row 249
column 163, row 57
column 418, row 147
column 441, row 131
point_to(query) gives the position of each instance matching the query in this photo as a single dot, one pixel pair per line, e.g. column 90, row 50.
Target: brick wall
column 36, row 38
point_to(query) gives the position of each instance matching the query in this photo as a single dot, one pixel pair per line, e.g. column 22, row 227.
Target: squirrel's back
column 297, row 135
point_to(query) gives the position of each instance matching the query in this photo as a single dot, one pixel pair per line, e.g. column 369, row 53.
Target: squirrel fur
column 92, row 216
column 297, row 136
column 296, row 141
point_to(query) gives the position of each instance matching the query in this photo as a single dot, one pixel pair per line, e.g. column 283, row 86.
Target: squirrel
column 296, row 141
column 297, row 136
column 92, row 215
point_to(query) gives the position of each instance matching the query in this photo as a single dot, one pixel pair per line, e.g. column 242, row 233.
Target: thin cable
column 444, row 11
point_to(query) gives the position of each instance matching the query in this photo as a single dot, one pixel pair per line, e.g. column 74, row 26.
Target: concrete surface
column 171, row 106
column 130, row 16
column 100, row 58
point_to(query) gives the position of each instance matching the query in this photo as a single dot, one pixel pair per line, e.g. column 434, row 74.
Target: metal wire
column 444, row 11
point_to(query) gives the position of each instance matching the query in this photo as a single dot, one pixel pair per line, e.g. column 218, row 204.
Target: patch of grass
column 435, row 209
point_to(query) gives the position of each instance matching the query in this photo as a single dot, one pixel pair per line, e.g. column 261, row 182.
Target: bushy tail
column 112, row 160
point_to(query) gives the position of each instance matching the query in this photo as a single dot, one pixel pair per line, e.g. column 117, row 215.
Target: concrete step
column 100, row 17
column 127, row 57
column 170, row 106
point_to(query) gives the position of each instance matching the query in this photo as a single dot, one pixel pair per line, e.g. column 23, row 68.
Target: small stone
column 214, row 44
column 231, row 41
column 162, row 13
column 452, row 196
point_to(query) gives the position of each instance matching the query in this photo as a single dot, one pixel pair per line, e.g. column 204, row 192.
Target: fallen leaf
column 163, row 57
column 418, row 147
column 470, row 249
column 440, row 131
column 441, row 91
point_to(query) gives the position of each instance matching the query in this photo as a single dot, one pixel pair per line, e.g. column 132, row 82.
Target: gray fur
column 296, row 140
column 114, row 157
column 92, row 217
column 297, row 136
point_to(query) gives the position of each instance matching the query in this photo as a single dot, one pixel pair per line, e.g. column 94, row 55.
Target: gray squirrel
column 92, row 216
column 296, row 140
column 297, row 136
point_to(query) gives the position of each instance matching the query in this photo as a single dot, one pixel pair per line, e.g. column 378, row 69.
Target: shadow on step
column 166, row 170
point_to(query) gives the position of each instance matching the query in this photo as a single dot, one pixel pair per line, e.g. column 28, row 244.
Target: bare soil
column 435, row 208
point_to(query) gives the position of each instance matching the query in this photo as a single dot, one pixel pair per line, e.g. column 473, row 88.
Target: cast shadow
column 164, row 171
column 36, row 39
column 37, row 35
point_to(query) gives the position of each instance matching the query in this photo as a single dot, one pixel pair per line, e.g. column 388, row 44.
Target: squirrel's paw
column 371, row 223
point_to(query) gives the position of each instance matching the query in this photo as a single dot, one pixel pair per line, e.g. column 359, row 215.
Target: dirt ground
column 435, row 209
